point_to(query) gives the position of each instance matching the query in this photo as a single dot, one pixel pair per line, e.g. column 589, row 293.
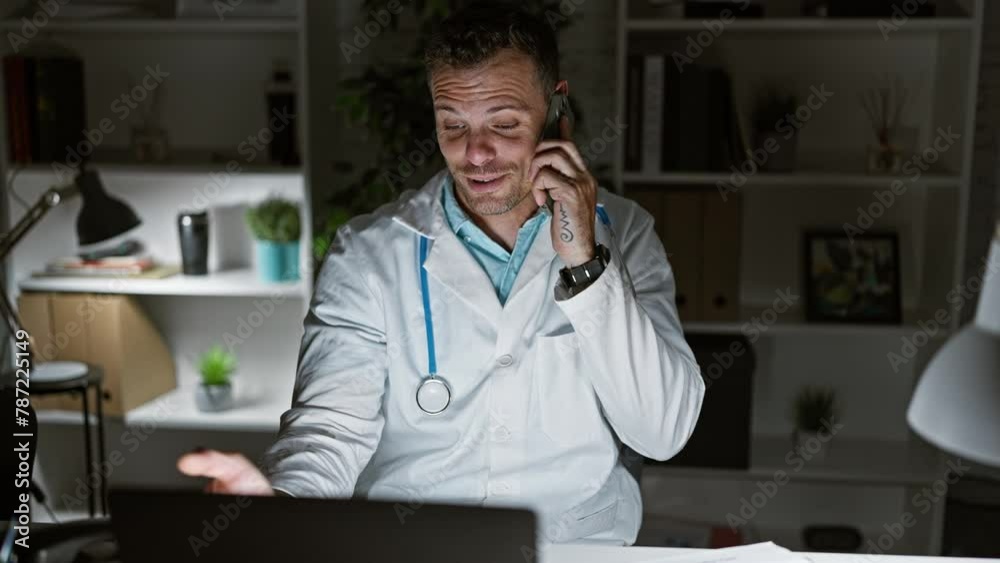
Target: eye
column 507, row 126
column 453, row 127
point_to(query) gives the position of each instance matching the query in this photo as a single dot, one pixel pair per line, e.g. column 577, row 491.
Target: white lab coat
column 544, row 389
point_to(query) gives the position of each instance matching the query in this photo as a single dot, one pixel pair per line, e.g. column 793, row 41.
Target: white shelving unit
column 208, row 106
column 232, row 283
column 875, row 469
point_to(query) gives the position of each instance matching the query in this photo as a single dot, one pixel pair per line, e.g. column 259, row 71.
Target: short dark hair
column 475, row 34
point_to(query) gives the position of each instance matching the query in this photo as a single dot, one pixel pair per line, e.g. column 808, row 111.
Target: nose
column 479, row 150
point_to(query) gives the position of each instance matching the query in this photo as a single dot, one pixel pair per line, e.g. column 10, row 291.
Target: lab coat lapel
column 448, row 261
column 542, row 254
column 537, row 262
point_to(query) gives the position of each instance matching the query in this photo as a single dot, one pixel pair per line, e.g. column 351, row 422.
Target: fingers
column 228, row 473
column 212, row 464
column 562, row 155
column 553, row 159
column 552, row 182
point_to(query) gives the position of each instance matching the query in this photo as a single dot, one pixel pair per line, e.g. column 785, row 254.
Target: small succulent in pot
column 216, row 390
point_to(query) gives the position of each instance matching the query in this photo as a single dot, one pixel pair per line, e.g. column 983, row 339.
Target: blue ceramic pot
column 270, row 260
column 291, row 269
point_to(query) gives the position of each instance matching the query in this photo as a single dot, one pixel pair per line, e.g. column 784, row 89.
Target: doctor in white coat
column 465, row 344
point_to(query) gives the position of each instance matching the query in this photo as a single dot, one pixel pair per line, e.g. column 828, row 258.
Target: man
column 538, row 378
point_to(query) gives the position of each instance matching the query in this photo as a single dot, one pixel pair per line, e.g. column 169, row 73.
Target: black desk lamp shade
column 101, row 216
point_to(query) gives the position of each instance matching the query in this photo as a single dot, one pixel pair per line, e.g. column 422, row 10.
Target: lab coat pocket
column 568, row 412
column 585, row 521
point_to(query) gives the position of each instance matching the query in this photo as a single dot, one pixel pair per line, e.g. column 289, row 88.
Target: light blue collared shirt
column 501, row 266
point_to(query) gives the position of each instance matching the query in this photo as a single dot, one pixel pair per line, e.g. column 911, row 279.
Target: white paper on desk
column 765, row 552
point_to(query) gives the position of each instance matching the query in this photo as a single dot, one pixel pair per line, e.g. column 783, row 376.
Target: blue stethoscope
column 434, row 393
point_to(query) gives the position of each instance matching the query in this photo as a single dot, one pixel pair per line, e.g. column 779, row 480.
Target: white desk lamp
column 956, row 405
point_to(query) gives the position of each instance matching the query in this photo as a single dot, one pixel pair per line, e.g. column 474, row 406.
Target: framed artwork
column 852, row 281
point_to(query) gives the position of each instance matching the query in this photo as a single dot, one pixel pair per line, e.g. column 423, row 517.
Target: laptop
column 166, row 526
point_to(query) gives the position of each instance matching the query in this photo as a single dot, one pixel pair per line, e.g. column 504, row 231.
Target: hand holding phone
column 558, row 107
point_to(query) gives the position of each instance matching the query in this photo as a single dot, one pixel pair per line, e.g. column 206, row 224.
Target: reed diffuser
column 884, row 107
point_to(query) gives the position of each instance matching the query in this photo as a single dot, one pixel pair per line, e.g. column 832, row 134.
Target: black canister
column 192, row 227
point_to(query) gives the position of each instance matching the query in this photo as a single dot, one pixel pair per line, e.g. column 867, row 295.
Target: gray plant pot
column 213, row 398
column 814, row 447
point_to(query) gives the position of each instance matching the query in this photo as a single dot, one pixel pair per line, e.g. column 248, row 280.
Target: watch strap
column 587, row 272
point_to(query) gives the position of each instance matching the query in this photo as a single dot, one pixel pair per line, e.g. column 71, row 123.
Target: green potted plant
column 215, row 392
column 814, row 410
column 276, row 226
column 774, row 121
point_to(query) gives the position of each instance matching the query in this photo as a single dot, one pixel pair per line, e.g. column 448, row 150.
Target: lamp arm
column 51, row 198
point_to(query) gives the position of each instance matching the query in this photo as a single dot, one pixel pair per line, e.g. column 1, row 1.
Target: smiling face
column 488, row 120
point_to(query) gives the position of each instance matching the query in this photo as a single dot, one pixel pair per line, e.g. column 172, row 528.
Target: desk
column 576, row 553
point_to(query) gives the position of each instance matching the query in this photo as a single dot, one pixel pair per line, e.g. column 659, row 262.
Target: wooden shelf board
column 849, row 461
column 805, row 180
column 793, row 321
column 163, row 25
column 257, row 409
column 229, row 283
column 813, row 24
column 184, row 161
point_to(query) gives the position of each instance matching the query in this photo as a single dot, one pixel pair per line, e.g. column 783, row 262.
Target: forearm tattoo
column 566, row 233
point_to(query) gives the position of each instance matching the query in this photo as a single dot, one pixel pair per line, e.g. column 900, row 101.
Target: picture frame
column 852, row 279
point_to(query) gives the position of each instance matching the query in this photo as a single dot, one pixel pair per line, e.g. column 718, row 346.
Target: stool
column 51, row 378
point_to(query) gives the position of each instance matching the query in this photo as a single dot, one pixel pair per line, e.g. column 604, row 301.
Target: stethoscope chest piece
column 433, row 395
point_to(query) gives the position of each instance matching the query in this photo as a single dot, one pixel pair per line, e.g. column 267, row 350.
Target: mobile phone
column 558, row 107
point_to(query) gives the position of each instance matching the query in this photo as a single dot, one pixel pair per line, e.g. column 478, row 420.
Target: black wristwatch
column 581, row 276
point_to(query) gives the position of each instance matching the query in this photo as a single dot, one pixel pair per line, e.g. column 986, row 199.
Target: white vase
column 213, row 398
column 813, row 447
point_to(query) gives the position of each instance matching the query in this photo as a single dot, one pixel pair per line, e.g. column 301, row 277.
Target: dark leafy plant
column 216, row 365
column 814, row 405
column 275, row 219
column 391, row 101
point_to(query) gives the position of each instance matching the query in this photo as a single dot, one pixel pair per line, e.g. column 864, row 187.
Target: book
column 652, row 113
column 633, row 112
column 46, row 112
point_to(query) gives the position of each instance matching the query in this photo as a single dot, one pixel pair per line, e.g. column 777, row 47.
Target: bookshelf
column 212, row 101
column 824, row 190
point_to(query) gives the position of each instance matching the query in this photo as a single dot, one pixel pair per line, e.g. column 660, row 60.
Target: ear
column 562, row 87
